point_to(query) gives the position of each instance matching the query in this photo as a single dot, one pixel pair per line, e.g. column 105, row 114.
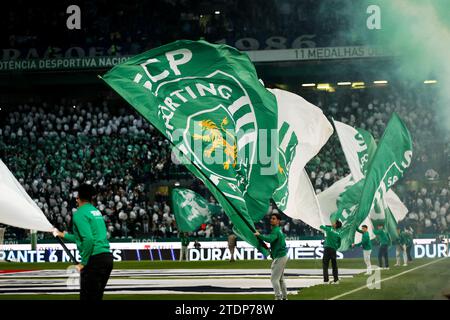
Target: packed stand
column 53, row 148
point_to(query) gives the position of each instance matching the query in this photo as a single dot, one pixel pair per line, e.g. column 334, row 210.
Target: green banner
column 382, row 167
column 208, row 101
column 392, row 157
column 191, row 209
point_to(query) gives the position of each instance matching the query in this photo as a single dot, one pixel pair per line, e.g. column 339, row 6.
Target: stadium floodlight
column 380, row 82
column 358, row 85
column 217, row 12
column 177, row 184
column 323, row 86
column 308, row 84
column 344, row 83
column 74, row 106
column 430, row 81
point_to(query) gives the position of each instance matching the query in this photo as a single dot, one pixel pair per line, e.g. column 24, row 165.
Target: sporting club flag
column 359, row 148
column 16, row 207
column 191, row 209
column 207, row 100
column 391, row 159
column 303, row 130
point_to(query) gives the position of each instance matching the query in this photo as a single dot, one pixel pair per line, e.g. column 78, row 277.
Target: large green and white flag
column 207, row 100
column 191, row 209
column 359, row 147
column 391, row 159
column 303, row 130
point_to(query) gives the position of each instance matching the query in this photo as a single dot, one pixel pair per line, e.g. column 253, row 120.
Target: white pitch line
column 391, row 277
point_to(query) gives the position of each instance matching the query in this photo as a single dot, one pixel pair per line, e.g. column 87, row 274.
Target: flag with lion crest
column 207, row 100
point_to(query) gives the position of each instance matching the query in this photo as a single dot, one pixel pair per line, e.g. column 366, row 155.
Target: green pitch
column 421, row 279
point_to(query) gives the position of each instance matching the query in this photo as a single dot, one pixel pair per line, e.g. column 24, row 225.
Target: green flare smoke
column 417, row 30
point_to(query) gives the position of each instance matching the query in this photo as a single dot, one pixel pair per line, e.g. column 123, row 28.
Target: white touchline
column 392, row 277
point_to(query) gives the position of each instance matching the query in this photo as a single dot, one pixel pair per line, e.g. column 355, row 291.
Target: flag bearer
column 331, row 245
column 401, row 243
column 278, row 253
column 383, row 239
column 367, row 247
column 184, row 246
column 90, row 235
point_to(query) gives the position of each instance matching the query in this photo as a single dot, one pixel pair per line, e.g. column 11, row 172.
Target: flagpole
column 63, row 245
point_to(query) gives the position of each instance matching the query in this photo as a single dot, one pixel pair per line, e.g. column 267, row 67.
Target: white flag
column 303, row 129
column 16, row 207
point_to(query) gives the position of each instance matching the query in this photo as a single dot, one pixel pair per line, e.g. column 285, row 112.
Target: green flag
column 191, row 209
column 392, row 157
column 383, row 169
column 359, row 148
column 207, row 100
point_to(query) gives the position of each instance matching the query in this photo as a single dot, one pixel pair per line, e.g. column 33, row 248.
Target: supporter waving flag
column 207, row 100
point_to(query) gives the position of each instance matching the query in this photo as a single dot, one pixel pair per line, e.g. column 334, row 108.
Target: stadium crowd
column 53, row 148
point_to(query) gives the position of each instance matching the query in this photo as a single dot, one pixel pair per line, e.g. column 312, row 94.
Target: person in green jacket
column 383, row 239
column 401, row 242
column 366, row 245
column 184, row 246
column 278, row 252
column 331, row 245
column 409, row 243
column 90, row 235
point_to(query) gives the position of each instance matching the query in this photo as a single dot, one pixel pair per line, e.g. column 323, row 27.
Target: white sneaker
column 368, row 273
column 335, row 282
column 405, row 264
column 397, row 265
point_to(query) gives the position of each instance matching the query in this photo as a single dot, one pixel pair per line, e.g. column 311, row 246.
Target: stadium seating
column 53, row 148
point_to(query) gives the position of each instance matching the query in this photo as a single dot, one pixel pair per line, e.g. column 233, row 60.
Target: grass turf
column 246, row 264
column 428, row 282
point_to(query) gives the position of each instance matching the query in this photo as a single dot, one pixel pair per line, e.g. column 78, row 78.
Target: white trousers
column 398, row 251
column 366, row 254
column 184, row 252
column 277, row 278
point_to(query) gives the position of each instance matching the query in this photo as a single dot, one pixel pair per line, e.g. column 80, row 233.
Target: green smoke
column 417, row 30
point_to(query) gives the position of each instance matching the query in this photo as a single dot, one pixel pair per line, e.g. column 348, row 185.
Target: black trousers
column 383, row 253
column 94, row 276
column 329, row 254
column 408, row 252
